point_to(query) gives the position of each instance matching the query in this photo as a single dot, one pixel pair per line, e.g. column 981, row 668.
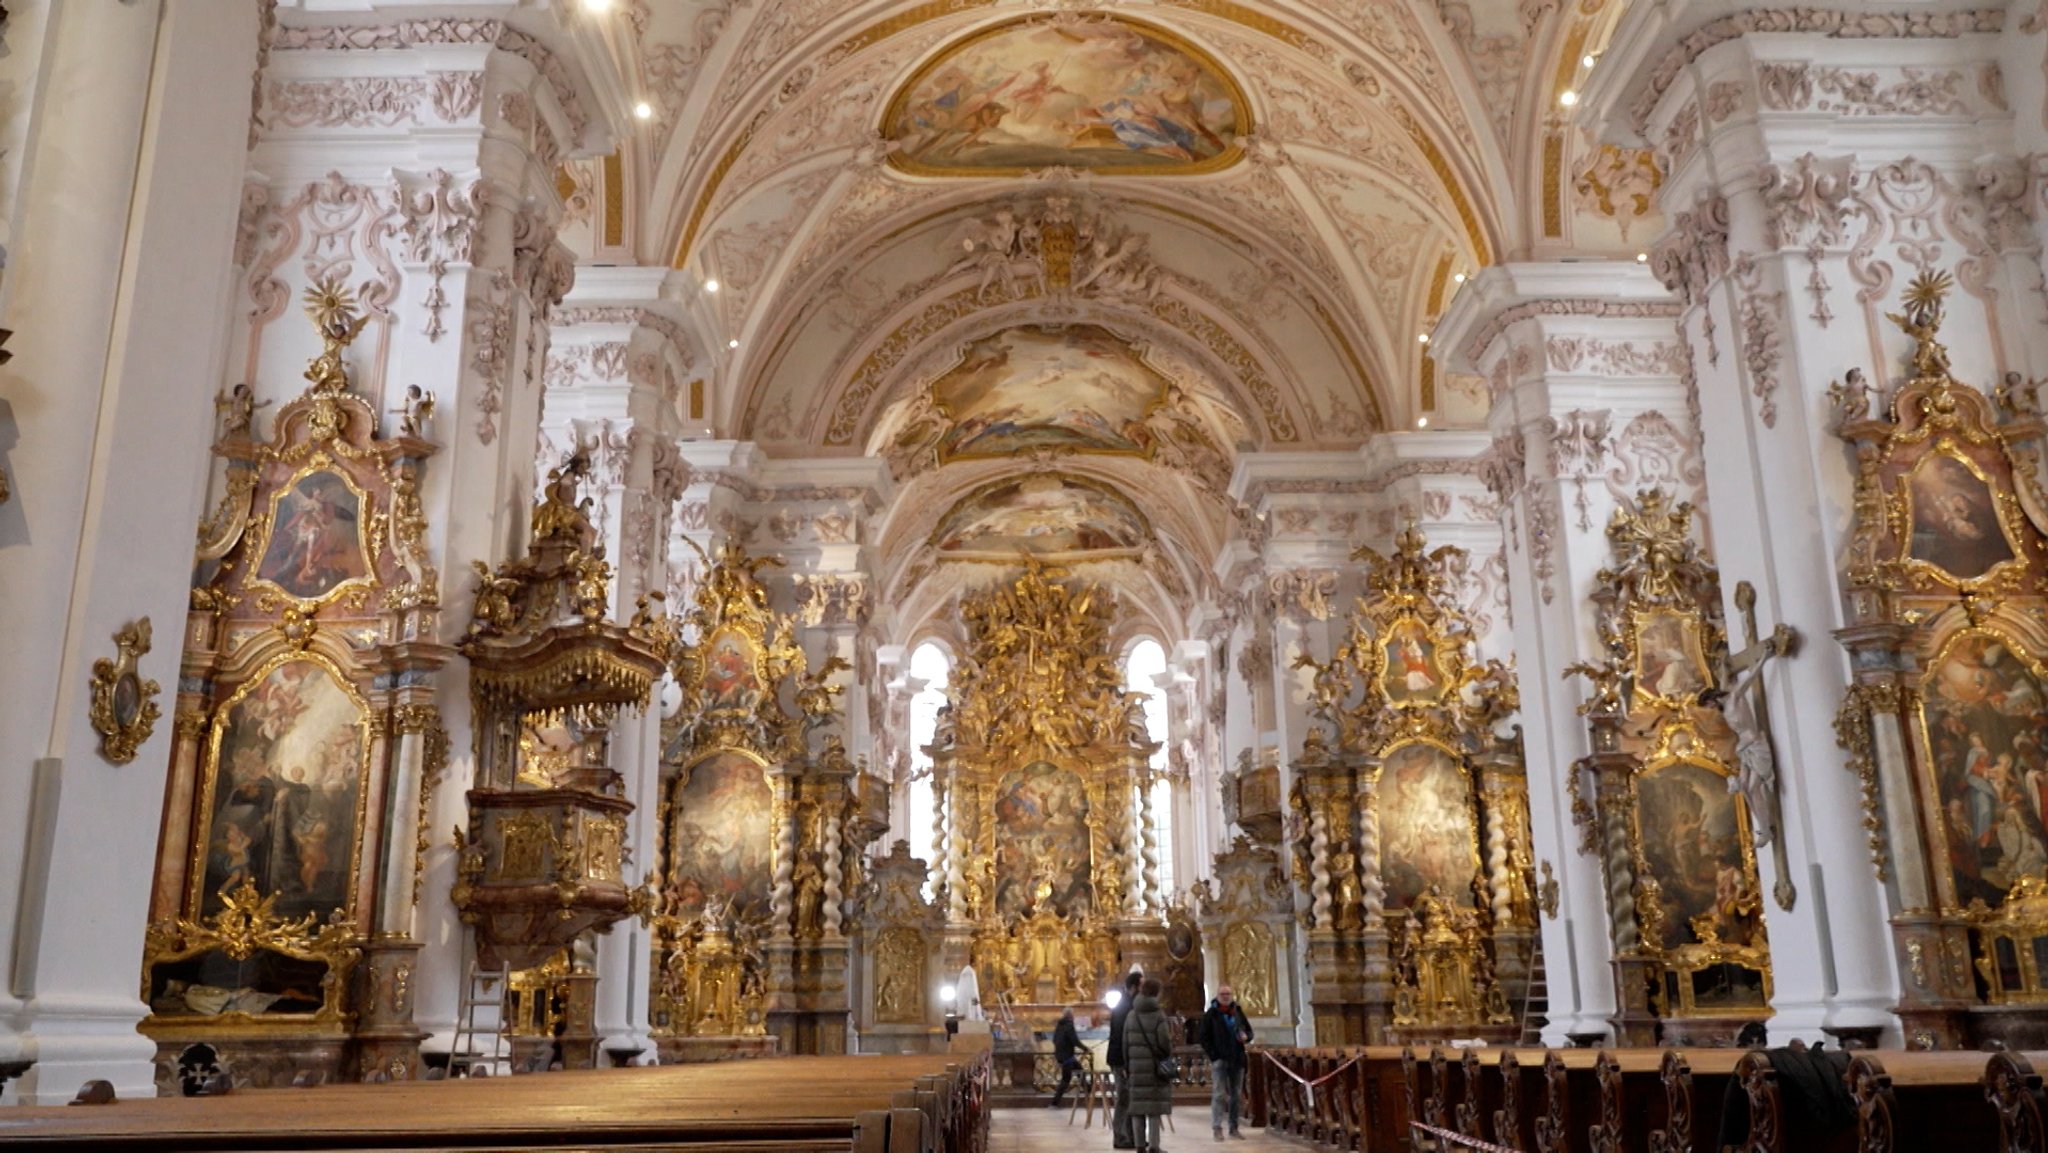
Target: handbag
column 1167, row 1068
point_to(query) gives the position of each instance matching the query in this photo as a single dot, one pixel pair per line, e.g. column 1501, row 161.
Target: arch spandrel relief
column 1099, row 94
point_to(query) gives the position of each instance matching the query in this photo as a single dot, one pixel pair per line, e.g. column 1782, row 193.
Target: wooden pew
column 1943, row 1101
column 909, row 1104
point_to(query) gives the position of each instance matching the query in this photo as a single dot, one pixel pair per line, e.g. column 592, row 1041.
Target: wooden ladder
column 482, row 988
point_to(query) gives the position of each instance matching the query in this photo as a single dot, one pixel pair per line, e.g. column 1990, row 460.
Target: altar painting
column 284, row 792
column 1955, row 524
column 1426, row 830
column 1076, row 387
column 1045, row 516
column 1041, row 815
column 731, row 680
column 316, row 542
column 1691, row 832
column 1671, row 660
column 1103, row 95
column 1413, row 673
column 723, row 847
column 1987, row 730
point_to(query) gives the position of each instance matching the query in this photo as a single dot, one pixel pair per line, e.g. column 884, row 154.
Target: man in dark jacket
column 1066, row 1049
column 1120, row 1124
column 1225, row 1033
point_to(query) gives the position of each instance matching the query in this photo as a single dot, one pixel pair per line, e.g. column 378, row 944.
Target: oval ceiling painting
column 1099, row 94
column 1076, row 387
column 1051, row 517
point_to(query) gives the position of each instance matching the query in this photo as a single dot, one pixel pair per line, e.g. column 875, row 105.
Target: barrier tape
column 1459, row 1140
column 1309, row 1087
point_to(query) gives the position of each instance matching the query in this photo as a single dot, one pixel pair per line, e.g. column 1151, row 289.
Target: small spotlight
column 1113, row 998
column 1422, row 422
column 1567, row 98
column 732, row 344
column 711, row 285
column 1457, row 278
column 597, row 7
column 644, row 110
column 1642, row 258
column 1589, row 60
column 947, row 994
column 1422, row 337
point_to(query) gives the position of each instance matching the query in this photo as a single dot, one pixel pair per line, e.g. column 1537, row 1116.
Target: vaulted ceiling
column 866, row 190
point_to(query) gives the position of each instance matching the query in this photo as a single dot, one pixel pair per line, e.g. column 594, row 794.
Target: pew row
column 875, row 1104
column 1377, row 1099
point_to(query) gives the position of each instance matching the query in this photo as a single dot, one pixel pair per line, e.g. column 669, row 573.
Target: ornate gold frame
column 1241, row 104
column 122, row 737
column 246, row 925
column 202, row 823
column 369, row 527
column 2005, row 506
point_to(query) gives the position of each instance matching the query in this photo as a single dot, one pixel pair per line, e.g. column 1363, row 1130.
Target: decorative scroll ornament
column 124, row 711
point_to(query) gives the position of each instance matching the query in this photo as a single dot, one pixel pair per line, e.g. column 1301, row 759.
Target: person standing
column 1148, row 1040
column 1066, row 1050
column 1120, row 1125
column 1225, row 1033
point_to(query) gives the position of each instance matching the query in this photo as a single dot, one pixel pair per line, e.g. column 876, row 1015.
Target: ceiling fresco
column 1097, row 94
column 1076, row 387
column 1045, row 515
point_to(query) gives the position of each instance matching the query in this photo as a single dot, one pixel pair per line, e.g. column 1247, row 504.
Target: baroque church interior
column 574, row 532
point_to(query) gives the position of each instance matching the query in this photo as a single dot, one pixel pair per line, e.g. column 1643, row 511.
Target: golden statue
column 332, row 308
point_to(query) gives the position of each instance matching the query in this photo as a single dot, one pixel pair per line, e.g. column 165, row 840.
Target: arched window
column 930, row 664
column 1144, row 665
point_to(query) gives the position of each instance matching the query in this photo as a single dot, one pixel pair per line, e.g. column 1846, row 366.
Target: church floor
column 1046, row 1131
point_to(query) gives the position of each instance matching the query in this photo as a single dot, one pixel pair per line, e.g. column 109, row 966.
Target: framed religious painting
column 1955, row 529
column 1428, row 829
column 732, row 672
column 720, row 838
column 1671, row 664
column 1412, row 669
column 1986, row 734
column 317, row 540
column 1042, row 842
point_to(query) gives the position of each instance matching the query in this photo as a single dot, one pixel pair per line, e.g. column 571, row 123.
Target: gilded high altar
column 1048, row 852
column 1943, row 589
column 1410, row 833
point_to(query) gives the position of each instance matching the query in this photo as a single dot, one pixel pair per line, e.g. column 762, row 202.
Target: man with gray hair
column 1225, row 1034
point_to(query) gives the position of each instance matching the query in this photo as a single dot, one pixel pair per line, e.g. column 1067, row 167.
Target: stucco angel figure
column 237, row 410
column 414, row 410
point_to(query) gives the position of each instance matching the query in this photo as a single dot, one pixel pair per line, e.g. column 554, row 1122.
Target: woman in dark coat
column 1148, row 1040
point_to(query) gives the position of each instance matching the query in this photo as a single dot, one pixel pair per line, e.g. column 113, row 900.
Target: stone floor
column 1047, row 1131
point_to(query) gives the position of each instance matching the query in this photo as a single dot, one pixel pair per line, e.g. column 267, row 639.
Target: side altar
column 1048, row 853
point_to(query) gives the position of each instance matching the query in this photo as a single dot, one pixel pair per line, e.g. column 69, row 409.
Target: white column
column 122, row 228
column 1589, row 404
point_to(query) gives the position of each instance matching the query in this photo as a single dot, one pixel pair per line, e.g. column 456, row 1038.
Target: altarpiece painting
column 1403, row 793
column 1946, row 583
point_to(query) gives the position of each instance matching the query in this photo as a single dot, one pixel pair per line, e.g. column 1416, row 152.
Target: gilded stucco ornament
column 123, row 710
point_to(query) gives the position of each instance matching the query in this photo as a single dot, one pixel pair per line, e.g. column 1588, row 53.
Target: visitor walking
column 1225, row 1033
column 1066, row 1050
column 1148, row 1045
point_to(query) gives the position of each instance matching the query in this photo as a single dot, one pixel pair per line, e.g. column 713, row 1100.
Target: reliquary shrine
column 1408, row 821
column 1048, row 861
column 542, row 862
column 306, row 738
column 765, row 821
column 1681, row 786
column 1945, row 594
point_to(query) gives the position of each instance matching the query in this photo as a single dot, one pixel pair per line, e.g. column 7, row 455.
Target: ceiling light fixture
column 644, row 110
column 1589, row 60
column 1422, row 337
column 1458, row 278
column 711, row 285
column 597, row 7
column 1567, row 98
column 1642, row 258
column 1422, row 422
column 732, row 344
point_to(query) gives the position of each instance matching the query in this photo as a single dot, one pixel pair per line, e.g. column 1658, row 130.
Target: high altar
column 1048, row 863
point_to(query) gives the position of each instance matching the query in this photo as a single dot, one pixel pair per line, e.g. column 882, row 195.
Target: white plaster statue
column 967, row 995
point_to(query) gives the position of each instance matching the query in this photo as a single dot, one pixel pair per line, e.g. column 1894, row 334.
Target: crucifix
column 1747, row 711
